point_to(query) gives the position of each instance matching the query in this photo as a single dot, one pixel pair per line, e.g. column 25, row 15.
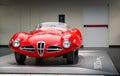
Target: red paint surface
column 50, row 37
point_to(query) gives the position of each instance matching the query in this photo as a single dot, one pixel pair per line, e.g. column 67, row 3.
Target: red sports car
column 49, row 39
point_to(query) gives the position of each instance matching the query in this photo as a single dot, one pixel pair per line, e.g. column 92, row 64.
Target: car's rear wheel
column 20, row 58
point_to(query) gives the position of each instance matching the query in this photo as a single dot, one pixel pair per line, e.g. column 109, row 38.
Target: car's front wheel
column 72, row 57
column 20, row 58
column 76, row 53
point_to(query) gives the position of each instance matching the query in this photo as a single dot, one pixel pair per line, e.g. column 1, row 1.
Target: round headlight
column 16, row 43
column 66, row 43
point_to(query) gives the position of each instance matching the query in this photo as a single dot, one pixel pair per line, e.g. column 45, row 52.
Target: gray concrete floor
column 7, row 59
column 4, row 51
column 114, row 54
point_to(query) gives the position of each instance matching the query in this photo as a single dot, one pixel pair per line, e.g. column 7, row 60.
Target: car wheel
column 76, row 53
column 70, row 58
column 76, row 56
column 20, row 58
column 65, row 55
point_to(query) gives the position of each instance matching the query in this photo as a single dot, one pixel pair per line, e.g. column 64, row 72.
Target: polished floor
column 87, row 63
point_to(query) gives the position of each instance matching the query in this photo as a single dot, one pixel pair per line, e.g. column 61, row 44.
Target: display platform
column 93, row 62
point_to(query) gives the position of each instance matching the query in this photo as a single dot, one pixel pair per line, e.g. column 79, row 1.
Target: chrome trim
column 40, row 49
column 56, row 49
column 27, row 49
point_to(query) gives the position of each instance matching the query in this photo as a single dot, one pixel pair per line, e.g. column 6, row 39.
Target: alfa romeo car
column 49, row 39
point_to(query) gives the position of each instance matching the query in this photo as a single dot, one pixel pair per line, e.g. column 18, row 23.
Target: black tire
column 76, row 53
column 70, row 58
column 76, row 56
column 20, row 59
column 65, row 55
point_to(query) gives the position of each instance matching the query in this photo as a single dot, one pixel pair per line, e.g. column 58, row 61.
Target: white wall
column 24, row 15
column 95, row 15
column 9, row 22
column 114, row 32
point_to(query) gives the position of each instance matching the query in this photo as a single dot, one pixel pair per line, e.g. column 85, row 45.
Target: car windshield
column 55, row 25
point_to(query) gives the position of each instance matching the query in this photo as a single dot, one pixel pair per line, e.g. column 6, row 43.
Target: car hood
column 47, row 38
column 50, row 31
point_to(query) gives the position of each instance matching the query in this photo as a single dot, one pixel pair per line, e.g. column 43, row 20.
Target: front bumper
column 41, row 51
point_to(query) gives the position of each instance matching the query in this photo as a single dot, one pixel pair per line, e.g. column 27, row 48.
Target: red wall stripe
column 95, row 25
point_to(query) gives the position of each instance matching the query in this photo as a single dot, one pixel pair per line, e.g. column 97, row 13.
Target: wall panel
column 24, row 15
column 114, row 33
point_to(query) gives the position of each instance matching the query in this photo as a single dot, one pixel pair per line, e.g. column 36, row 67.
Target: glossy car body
column 50, row 39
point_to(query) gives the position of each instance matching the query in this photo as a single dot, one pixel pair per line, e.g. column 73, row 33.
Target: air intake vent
column 28, row 48
column 54, row 49
column 41, row 48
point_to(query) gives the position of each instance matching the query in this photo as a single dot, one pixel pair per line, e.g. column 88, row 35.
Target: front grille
column 54, row 49
column 41, row 47
column 29, row 48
